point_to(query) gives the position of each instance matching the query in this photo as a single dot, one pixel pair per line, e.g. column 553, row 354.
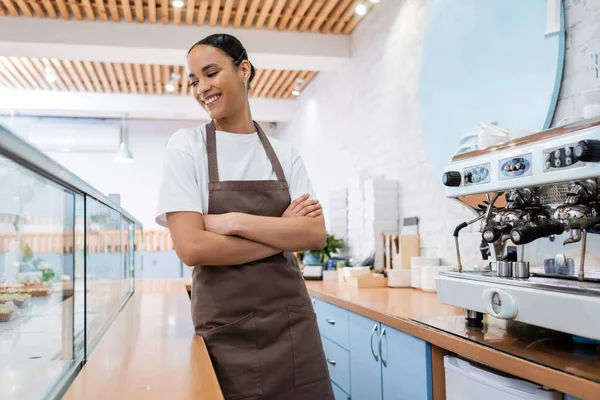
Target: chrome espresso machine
column 536, row 201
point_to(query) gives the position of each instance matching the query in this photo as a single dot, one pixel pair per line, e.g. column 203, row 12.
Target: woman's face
column 217, row 85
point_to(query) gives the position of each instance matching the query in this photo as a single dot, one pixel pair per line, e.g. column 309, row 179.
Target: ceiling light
column 123, row 155
column 296, row 90
column 361, row 9
column 178, row 3
column 374, row 1
column 173, row 82
column 49, row 74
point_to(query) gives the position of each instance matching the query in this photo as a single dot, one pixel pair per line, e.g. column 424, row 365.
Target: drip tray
column 562, row 284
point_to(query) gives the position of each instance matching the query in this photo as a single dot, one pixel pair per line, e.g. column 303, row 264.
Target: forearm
column 288, row 234
column 207, row 248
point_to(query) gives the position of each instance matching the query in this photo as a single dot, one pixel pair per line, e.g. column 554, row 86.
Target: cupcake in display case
column 8, row 311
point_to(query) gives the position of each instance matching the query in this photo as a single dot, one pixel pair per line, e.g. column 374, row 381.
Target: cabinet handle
column 375, row 356
column 332, row 362
column 380, row 353
column 331, row 321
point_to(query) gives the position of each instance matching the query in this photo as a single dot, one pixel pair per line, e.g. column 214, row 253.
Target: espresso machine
column 536, row 202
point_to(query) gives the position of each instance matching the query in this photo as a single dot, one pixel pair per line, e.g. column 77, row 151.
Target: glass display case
column 67, row 256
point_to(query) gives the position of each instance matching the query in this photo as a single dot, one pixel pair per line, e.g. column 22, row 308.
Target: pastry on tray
column 39, row 290
column 21, row 299
column 7, row 311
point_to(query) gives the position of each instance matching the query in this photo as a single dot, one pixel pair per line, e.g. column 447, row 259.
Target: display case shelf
column 67, row 255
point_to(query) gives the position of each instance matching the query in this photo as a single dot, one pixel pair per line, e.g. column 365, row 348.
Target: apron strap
column 211, row 150
column 271, row 154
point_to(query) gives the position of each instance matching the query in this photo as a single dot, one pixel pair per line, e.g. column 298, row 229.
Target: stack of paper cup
column 399, row 277
column 416, row 263
column 428, row 275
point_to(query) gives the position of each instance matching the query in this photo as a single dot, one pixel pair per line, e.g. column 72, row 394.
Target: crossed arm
column 237, row 238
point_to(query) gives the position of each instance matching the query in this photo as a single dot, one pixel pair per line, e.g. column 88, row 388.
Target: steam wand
column 465, row 224
column 456, row 232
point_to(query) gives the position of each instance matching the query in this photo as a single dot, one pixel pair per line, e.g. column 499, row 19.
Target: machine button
column 547, row 156
column 548, row 165
column 557, row 154
column 568, row 151
column 557, row 163
column 568, row 161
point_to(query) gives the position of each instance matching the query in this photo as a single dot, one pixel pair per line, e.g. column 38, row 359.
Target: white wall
column 137, row 183
column 582, row 19
column 366, row 116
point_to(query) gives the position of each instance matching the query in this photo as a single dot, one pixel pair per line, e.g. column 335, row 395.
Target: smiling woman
column 231, row 216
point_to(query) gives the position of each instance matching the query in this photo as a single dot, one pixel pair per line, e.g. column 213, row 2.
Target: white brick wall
column 582, row 19
column 366, row 117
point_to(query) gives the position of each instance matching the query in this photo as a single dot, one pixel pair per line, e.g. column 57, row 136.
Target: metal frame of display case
column 22, row 153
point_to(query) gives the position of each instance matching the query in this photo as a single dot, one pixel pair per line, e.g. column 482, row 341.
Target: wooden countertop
column 150, row 351
column 394, row 307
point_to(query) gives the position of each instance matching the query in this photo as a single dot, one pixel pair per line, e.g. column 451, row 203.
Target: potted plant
column 318, row 257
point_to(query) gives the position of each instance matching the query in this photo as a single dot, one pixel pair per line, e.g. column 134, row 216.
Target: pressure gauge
column 500, row 303
column 496, row 303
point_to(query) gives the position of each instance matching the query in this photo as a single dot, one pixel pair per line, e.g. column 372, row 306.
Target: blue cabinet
column 365, row 363
column 339, row 394
column 333, row 322
column 405, row 366
column 371, row 361
column 338, row 362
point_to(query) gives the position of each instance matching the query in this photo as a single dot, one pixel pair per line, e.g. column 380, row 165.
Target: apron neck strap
column 211, row 149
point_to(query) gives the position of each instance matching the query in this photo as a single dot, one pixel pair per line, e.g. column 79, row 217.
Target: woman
column 225, row 198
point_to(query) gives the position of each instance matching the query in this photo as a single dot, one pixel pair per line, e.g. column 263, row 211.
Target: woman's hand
column 303, row 207
column 222, row 224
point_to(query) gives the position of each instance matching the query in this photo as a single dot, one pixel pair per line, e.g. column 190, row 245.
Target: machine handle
column 330, row 361
column 527, row 234
column 375, row 356
column 331, row 321
column 490, row 235
column 380, row 353
column 591, row 224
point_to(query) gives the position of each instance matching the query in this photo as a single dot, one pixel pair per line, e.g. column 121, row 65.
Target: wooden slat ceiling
column 325, row 16
column 105, row 77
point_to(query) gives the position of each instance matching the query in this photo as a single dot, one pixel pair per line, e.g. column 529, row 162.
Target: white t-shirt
column 184, row 185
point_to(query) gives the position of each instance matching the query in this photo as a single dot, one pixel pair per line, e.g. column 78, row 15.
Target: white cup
column 591, row 111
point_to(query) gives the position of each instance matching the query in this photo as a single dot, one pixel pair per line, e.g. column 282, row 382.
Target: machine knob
column 451, row 178
column 588, row 150
column 490, row 235
column 527, row 234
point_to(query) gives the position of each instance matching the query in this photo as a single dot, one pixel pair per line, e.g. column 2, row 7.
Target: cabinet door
column 365, row 367
column 405, row 365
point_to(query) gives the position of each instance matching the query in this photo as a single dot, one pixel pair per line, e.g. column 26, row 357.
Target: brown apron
column 257, row 318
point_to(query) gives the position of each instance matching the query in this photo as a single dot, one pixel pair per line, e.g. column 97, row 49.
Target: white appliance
column 537, row 202
column 469, row 381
